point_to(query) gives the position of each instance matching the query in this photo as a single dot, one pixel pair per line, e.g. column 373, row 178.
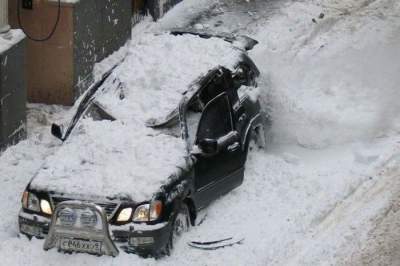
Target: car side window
column 216, row 120
column 221, row 82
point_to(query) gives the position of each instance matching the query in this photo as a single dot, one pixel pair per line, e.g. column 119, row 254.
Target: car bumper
column 33, row 225
column 144, row 240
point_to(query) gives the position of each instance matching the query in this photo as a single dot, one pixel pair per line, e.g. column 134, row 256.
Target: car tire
column 180, row 225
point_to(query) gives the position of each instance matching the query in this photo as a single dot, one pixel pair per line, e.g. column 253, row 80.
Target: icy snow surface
column 326, row 181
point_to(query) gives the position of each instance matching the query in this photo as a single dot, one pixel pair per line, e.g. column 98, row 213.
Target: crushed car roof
column 159, row 69
column 124, row 157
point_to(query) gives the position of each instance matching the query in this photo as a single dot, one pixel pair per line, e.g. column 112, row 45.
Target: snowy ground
column 327, row 187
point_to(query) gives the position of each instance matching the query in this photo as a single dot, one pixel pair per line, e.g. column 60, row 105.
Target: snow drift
column 334, row 80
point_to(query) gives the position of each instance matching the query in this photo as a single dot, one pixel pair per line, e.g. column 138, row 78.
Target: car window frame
column 204, row 113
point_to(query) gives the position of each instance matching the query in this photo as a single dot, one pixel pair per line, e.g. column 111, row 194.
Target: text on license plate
column 79, row 245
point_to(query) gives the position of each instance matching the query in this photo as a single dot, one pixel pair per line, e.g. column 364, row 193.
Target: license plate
column 78, row 245
column 30, row 229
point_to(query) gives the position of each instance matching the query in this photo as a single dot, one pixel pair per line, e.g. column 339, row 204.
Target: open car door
column 219, row 167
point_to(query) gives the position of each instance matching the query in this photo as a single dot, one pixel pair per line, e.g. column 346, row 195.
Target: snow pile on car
column 124, row 158
column 159, row 69
column 111, row 159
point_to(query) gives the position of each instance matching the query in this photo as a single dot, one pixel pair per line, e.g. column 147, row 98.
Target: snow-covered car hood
column 124, row 157
column 111, row 159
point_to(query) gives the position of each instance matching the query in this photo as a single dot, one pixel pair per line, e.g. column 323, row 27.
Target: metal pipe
column 4, row 27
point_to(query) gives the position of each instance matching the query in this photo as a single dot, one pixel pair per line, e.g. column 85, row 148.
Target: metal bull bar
column 80, row 227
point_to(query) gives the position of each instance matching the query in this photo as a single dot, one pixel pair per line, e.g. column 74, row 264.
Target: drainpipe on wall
column 4, row 27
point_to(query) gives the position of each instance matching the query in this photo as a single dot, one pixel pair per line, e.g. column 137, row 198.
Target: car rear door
column 221, row 172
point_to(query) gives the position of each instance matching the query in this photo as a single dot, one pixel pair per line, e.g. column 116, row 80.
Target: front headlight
column 125, row 215
column 142, row 213
column 30, row 202
column 45, row 207
column 148, row 212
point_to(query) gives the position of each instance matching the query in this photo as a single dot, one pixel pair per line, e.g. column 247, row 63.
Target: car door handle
column 233, row 147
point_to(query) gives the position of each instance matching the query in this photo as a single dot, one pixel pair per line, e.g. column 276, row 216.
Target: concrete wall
column 101, row 27
column 12, row 95
column 60, row 69
column 50, row 64
column 4, row 16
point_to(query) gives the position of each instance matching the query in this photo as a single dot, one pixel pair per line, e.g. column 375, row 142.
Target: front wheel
column 180, row 225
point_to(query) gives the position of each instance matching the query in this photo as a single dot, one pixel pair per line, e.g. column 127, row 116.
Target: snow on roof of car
column 124, row 157
column 159, row 68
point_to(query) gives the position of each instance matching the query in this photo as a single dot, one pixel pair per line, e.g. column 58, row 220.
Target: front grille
column 109, row 207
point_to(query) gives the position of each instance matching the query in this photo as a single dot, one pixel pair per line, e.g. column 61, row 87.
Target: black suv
column 77, row 207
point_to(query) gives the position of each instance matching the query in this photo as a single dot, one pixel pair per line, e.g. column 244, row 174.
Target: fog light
column 88, row 219
column 141, row 241
column 67, row 217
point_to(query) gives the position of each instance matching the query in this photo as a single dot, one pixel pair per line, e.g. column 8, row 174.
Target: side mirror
column 230, row 142
column 208, row 146
column 57, row 131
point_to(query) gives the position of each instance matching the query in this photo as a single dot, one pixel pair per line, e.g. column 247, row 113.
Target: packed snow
column 329, row 176
column 124, row 158
column 157, row 71
column 100, row 168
